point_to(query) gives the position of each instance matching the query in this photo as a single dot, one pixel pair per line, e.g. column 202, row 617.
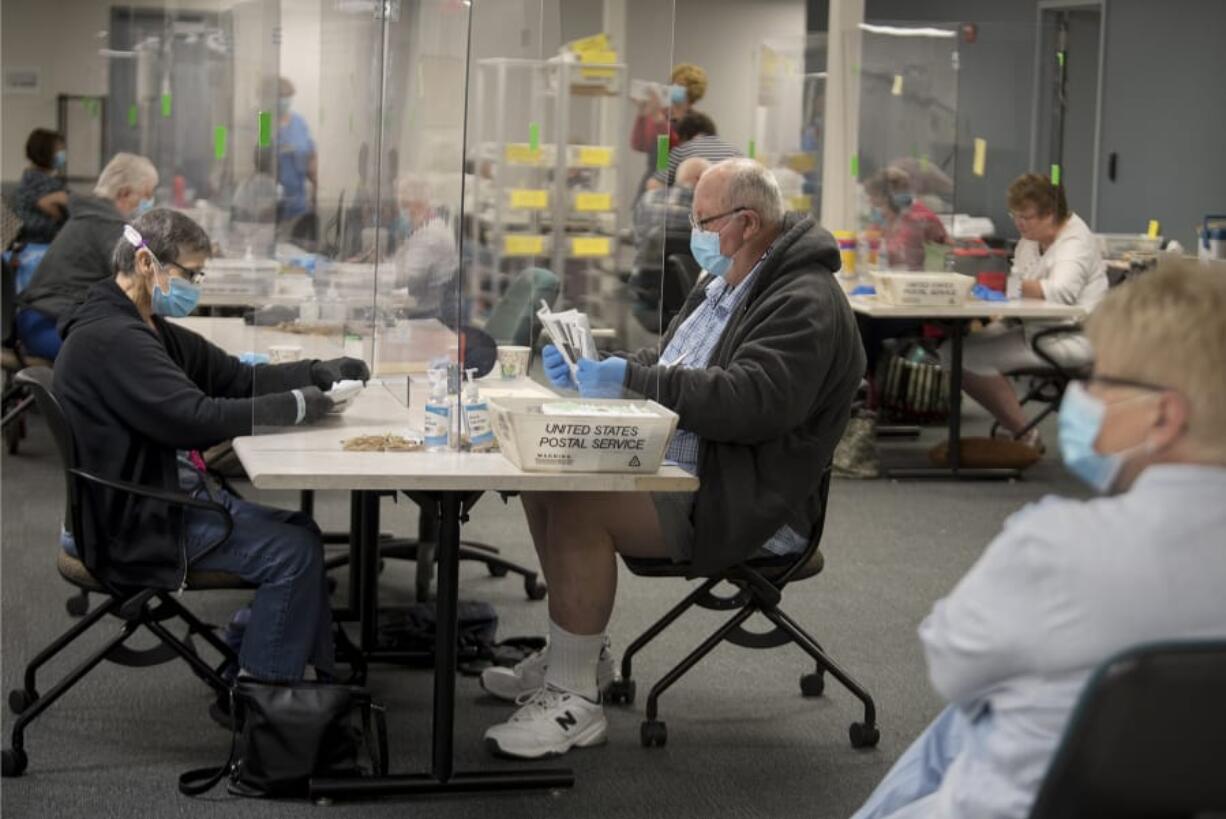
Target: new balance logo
column 567, row 721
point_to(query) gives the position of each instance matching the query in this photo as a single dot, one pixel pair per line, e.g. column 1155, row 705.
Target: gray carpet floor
column 742, row 741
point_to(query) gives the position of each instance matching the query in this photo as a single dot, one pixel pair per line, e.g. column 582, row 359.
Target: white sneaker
column 549, row 723
column 528, row 675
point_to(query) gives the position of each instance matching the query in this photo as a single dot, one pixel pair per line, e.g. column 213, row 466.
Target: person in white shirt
column 426, row 260
column 1059, row 261
column 1069, row 583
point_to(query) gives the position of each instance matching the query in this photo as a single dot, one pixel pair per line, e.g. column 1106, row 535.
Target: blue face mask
column 61, row 160
column 677, row 94
column 901, row 201
column 704, row 244
column 144, row 206
column 875, row 216
column 1081, row 421
column 179, row 302
column 283, row 105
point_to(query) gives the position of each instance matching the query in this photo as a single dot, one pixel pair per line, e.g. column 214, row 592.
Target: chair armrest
column 1050, row 332
column 169, row 498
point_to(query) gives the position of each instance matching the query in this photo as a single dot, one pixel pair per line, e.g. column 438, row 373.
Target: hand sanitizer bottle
column 438, row 413
column 476, row 417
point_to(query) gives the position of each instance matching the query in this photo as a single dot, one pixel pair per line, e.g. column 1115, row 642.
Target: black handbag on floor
column 291, row 732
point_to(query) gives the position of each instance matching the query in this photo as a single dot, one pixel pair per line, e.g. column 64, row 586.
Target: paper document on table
column 571, row 333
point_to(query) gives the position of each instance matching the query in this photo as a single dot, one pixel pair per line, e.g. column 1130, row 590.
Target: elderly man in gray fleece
column 761, row 366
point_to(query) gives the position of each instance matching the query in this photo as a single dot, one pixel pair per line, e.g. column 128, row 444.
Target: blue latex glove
column 864, row 290
column 987, row 294
column 556, row 367
column 253, row 358
column 601, row 379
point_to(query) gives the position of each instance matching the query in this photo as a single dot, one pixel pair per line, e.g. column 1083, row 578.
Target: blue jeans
column 281, row 552
column 37, row 332
column 907, row 789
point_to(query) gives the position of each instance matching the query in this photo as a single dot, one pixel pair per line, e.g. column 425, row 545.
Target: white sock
column 572, row 661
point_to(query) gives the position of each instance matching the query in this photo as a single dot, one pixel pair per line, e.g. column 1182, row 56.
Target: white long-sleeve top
column 1064, row 586
column 1071, row 270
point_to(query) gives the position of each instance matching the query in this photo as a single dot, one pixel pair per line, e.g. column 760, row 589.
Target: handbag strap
column 376, row 743
column 202, row 780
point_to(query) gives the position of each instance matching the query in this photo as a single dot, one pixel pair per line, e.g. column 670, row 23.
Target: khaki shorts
column 675, row 511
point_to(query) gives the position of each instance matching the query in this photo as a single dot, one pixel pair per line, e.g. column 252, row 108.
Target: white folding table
column 313, row 458
column 956, row 319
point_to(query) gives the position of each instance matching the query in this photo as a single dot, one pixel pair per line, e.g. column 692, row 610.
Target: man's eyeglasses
column 193, row 276
column 701, row 224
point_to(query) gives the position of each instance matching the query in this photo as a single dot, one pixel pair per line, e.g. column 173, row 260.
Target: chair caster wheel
column 19, row 700
column 535, row 589
column 14, row 762
column 77, row 605
column 496, row 571
column 653, row 733
column 813, row 685
column 863, row 735
column 620, row 692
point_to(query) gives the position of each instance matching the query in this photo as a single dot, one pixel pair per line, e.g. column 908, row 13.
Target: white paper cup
column 513, row 361
column 281, row 353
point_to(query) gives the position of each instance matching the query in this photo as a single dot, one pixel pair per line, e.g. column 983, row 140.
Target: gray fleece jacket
column 79, row 257
column 772, row 402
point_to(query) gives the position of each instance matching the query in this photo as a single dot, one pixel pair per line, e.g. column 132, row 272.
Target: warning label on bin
column 635, row 461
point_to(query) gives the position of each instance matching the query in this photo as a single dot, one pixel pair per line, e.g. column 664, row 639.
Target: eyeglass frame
column 700, row 224
column 193, row 276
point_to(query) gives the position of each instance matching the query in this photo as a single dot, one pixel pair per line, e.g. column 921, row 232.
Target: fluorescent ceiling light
column 899, row 31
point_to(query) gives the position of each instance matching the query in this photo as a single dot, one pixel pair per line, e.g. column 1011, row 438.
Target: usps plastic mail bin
column 922, row 289
column 582, row 435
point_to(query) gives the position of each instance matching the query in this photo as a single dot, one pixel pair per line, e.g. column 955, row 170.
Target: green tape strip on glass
column 265, row 129
column 167, row 105
column 133, row 115
column 662, row 152
column 855, row 166
column 220, row 137
column 753, row 149
column 534, row 136
column 1055, row 174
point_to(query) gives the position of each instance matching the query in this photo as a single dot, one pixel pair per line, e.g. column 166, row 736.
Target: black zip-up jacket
column 133, row 398
column 772, row 402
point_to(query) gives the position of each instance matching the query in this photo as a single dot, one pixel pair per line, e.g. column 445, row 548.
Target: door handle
column 1112, row 161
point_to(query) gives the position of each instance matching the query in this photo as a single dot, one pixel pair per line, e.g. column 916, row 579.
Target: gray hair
column 168, row 233
column 125, row 170
column 752, row 185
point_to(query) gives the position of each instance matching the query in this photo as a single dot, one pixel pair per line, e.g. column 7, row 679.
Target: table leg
column 953, row 455
column 953, row 452
column 442, row 777
column 368, row 574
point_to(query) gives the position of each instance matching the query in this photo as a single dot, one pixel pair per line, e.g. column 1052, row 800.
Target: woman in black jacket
column 143, row 396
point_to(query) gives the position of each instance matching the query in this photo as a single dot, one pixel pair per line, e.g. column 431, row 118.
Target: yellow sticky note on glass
column 802, row 203
column 897, row 89
column 590, row 246
column 529, row 198
column 802, row 163
column 981, row 156
column 595, row 156
column 523, row 245
column 593, row 202
column 521, row 153
column 1153, row 229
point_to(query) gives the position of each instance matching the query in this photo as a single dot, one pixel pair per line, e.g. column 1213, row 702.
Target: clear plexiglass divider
column 906, row 158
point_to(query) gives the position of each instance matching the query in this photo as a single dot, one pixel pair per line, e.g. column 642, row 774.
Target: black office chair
column 13, row 359
column 150, row 608
column 759, row 583
column 1047, row 381
column 1147, row 739
column 658, row 290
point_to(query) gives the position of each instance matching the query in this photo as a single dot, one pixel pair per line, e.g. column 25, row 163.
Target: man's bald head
column 689, row 171
column 741, row 183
